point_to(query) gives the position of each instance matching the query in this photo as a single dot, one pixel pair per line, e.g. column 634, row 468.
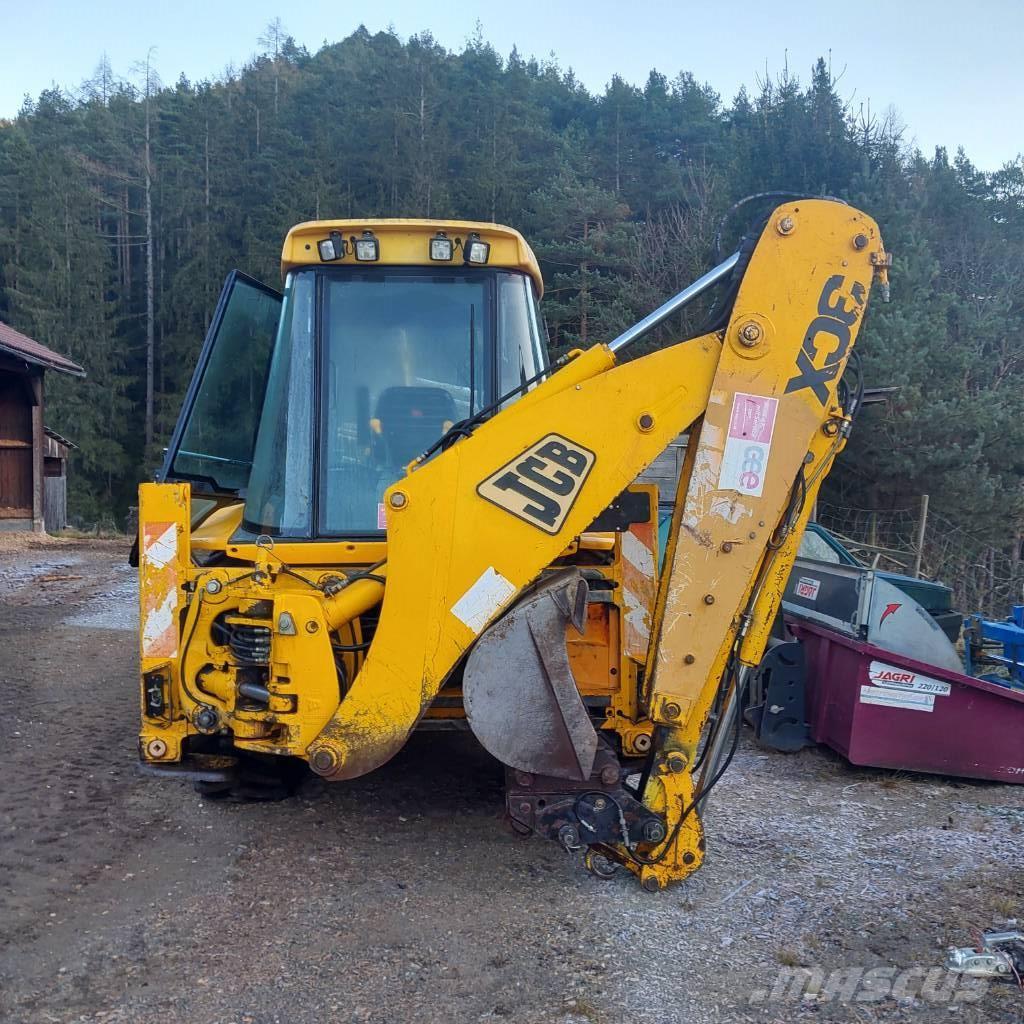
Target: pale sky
column 950, row 69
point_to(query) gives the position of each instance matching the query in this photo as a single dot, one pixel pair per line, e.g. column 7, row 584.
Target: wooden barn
column 33, row 460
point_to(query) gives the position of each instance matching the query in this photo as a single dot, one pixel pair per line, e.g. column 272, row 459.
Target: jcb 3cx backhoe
column 381, row 510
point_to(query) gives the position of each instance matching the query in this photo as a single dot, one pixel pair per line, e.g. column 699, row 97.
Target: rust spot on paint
column 703, row 538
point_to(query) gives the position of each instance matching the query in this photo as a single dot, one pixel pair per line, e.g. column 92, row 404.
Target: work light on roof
column 441, row 248
column 367, row 248
column 332, row 248
column 475, row 251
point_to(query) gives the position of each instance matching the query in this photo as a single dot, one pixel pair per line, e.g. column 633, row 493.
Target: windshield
column 405, row 359
column 403, row 353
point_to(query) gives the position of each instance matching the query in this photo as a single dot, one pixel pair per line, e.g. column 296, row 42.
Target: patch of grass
column 586, row 1009
column 1006, row 905
column 96, row 533
column 893, row 780
column 788, row 957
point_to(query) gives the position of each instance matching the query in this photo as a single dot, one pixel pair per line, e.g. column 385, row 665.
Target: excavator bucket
column 518, row 689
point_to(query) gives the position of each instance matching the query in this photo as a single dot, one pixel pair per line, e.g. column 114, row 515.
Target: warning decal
column 157, row 556
column 897, row 698
column 903, row 679
column 749, row 443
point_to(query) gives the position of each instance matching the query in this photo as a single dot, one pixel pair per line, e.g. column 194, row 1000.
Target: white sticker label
column 483, row 600
column 748, row 444
column 903, row 679
column 897, row 698
column 808, row 588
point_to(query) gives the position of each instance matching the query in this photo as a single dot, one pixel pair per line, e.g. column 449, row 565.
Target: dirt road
column 401, row 897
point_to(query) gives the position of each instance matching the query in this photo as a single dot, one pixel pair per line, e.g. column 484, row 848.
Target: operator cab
column 308, row 405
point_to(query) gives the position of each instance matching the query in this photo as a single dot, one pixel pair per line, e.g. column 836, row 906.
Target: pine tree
column 122, row 210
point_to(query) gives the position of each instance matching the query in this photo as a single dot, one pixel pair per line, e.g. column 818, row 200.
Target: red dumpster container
column 879, row 708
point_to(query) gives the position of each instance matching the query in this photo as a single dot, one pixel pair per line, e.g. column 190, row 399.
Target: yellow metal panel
column 594, row 656
column 456, row 560
column 163, row 558
column 792, row 329
column 302, row 673
column 405, row 242
column 164, row 513
column 638, row 560
column 213, row 532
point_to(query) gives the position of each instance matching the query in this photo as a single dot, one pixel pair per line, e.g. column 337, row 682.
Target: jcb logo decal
column 540, row 485
column 835, row 319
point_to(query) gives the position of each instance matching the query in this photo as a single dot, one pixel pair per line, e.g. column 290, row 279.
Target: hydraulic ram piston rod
column 676, row 303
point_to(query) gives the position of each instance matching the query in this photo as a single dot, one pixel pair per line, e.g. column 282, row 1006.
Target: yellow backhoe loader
column 382, row 510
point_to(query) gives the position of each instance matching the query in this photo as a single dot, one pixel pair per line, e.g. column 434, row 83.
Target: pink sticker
column 745, row 458
column 381, row 520
column 753, row 417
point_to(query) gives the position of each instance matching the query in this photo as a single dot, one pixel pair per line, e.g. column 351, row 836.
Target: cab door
column 213, row 440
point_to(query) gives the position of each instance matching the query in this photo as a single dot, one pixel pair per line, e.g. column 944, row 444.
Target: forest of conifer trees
column 125, row 202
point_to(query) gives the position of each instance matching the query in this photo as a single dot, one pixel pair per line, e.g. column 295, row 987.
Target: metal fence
column 920, row 542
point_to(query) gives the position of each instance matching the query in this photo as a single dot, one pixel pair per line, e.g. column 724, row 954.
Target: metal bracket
column 193, row 769
column 998, row 955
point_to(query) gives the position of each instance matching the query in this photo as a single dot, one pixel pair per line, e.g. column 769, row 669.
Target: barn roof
column 54, row 436
column 21, row 346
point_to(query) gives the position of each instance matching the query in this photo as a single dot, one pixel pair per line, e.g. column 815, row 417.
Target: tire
column 258, row 779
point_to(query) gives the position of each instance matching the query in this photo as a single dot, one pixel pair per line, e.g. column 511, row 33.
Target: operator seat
column 409, row 420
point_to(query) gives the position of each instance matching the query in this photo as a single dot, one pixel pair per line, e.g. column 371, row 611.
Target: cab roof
column 405, row 242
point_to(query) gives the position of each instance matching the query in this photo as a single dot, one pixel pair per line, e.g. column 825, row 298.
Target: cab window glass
column 815, row 547
column 280, row 499
column 213, row 445
column 405, row 357
column 518, row 340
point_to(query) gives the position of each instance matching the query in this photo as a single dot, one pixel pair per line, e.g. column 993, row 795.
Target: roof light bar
column 474, row 251
column 366, row 248
column 441, row 248
column 332, row 248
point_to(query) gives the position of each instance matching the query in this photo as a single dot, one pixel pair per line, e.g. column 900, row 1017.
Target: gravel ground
column 401, row 897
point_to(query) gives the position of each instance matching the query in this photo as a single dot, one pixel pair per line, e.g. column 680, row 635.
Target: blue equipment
column 984, row 637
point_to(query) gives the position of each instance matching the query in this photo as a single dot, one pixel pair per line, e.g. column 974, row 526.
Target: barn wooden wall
column 22, row 445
